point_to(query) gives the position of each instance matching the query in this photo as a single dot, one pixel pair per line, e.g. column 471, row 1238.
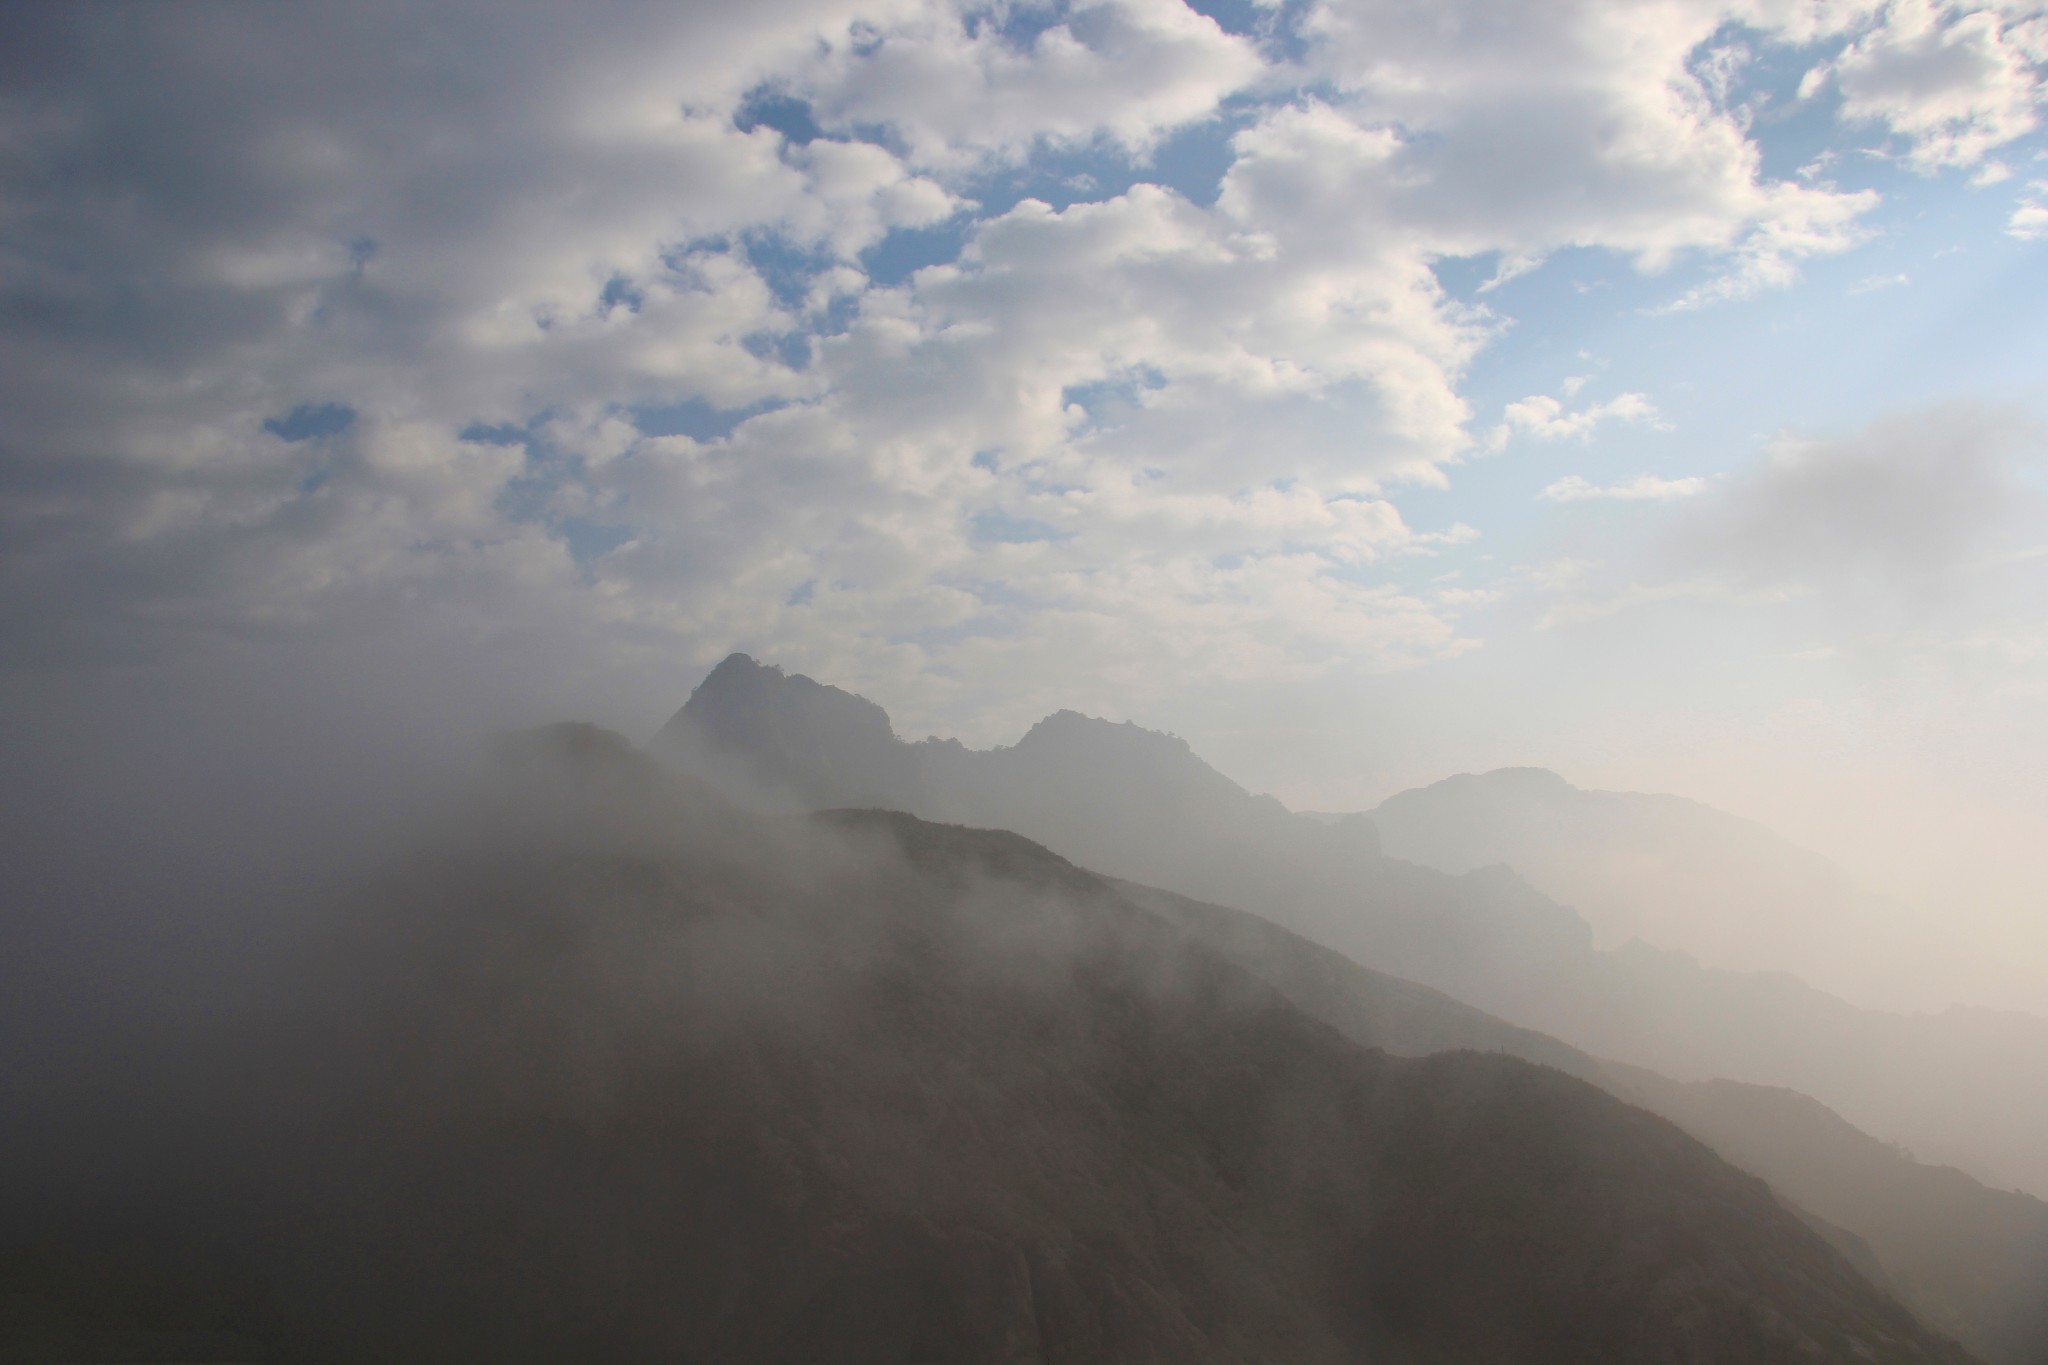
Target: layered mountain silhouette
column 612, row 1071
column 1969, row 1260
column 1677, row 874
column 1965, row 1086
column 1122, row 800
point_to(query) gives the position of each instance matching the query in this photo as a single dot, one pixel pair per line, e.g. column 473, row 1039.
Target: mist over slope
column 1968, row 1087
column 1677, row 874
column 1971, row 1261
column 1118, row 799
column 605, row 1070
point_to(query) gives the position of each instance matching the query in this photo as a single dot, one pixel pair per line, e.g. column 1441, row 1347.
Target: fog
column 1067, row 680
column 552, row 1052
column 1641, row 952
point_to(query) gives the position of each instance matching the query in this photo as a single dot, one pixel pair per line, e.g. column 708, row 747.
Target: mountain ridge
column 613, row 1071
column 1679, row 873
column 1969, row 1088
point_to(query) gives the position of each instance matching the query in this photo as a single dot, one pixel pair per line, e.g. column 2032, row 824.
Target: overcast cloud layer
column 993, row 358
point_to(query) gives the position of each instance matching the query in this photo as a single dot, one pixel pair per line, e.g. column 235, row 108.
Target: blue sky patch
column 905, row 251
column 503, row 434
column 311, row 421
column 787, row 266
column 779, row 111
column 619, row 290
column 1003, row 528
column 695, row 418
column 588, row 539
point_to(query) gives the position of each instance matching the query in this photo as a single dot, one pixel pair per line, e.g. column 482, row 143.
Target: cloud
column 961, row 88
column 1767, row 256
column 1903, row 509
column 1644, row 488
column 1543, row 418
column 1897, row 540
column 1953, row 83
column 620, row 354
column 2029, row 220
column 1586, row 123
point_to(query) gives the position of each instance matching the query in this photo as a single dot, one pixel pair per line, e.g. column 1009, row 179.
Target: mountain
column 609, row 1071
column 784, row 742
column 1122, row 800
column 1969, row 1260
column 1967, row 1087
column 1674, row 873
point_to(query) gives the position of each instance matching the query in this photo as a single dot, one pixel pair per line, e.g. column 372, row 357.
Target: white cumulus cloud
column 593, row 340
column 1952, row 81
column 2029, row 220
column 1544, row 418
column 1643, row 488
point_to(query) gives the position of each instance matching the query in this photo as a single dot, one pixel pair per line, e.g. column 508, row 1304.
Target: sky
column 1366, row 391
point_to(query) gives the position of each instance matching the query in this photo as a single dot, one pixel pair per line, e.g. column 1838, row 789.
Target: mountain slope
column 1122, row 800
column 1970, row 1260
column 614, row 1073
column 1965, row 1087
column 1674, row 873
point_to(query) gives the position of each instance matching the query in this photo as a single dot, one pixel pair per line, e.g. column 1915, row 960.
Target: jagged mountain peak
column 757, row 728
column 1126, row 753
column 1112, row 796
column 779, row 740
column 737, row 672
column 741, row 681
column 1066, row 725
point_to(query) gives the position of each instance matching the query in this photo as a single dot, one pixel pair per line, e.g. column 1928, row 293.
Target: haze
column 1646, row 393
column 1605, row 440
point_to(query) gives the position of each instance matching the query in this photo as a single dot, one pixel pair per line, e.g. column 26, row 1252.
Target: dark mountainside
column 1671, row 872
column 611, row 1072
column 1971, row 1261
column 1408, row 1018
column 1369, row 1007
column 1966, row 1086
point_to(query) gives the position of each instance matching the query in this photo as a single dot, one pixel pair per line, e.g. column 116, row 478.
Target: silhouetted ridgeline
column 1671, row 872
column 1966, row 1086
column 1971, row 1261
column 608, row 1071
column 1969, row 1084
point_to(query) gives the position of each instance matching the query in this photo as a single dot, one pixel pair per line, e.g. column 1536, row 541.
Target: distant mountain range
column 609, row 1070
column 1971, row 1261
column 1677, row 874
column 1966, row 1086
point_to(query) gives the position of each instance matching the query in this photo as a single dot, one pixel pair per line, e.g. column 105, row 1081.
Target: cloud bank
column 879, row 334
